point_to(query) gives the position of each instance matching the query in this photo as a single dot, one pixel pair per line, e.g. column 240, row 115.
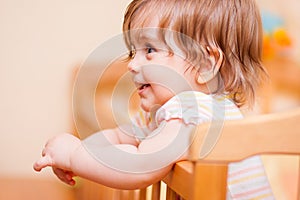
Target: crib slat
column 156, row 191
column 171, row 194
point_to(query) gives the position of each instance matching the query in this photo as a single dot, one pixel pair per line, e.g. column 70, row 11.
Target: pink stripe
column 250, row 192
column 244, row 171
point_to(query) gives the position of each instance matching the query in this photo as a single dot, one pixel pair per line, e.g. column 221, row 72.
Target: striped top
column 246, row 179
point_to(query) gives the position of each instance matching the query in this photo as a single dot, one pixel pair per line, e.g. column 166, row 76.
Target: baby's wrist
column 74, row 158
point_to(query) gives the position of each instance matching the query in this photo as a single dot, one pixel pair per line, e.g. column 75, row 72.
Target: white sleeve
column 192, row 108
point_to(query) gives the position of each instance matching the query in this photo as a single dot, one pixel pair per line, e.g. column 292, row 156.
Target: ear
column 216, row 58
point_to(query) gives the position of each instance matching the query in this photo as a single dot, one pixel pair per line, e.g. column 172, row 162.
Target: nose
column 133, row 65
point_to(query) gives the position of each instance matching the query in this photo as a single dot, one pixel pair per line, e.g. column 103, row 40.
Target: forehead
column 144, row 25
column 140, row 35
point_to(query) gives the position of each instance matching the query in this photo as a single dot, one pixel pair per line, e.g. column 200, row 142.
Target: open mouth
column 143, row 87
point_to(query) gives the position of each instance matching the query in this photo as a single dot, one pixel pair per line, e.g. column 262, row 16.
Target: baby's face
column 157, row 73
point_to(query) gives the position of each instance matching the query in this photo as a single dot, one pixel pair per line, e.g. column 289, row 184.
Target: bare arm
column 119, row 135
column 124, row 166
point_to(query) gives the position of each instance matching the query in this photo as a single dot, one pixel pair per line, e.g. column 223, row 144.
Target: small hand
column 57, row 154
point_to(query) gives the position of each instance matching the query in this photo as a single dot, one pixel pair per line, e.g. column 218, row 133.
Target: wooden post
column 171, row 194
column 210, row 181
column 156, row 191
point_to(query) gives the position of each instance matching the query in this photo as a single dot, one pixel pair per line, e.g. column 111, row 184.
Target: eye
column 150, row 49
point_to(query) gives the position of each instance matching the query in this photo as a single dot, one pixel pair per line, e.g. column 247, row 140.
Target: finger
column 43, row 162
column 72, row 182
column 65, row 176
column 70, row 177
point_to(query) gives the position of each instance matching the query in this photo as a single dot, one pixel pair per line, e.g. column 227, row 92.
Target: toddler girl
column 192, row 62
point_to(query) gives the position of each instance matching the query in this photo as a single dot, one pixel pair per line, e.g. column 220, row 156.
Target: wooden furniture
column 277, row 133
column 205, row 178
column 17, row 188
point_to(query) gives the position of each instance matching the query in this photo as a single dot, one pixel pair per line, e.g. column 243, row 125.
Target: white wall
column 40, row 44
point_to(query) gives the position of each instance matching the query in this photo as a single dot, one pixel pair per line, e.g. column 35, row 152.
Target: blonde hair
column 233, row 26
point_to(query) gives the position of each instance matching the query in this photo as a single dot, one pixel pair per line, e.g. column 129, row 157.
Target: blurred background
column 42, row 43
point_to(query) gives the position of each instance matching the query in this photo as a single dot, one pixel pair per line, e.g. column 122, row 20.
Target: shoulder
column 196, row 107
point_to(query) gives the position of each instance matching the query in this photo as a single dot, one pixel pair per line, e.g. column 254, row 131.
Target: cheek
column 162, row 91
column 161, row 94
column 166, row 78
column 160, row 74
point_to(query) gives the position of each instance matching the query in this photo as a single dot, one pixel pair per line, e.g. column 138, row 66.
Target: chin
column 150, row 107
column 145, row 108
